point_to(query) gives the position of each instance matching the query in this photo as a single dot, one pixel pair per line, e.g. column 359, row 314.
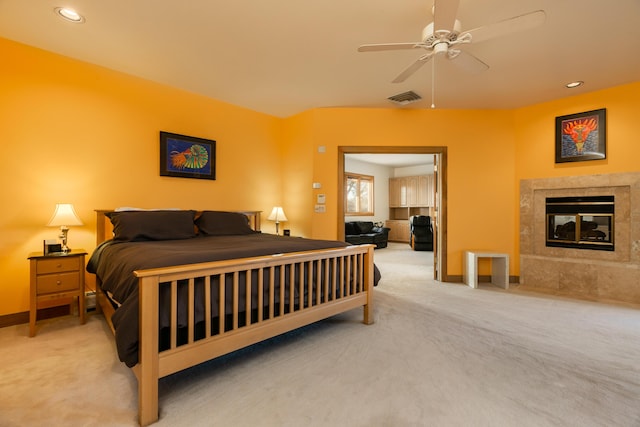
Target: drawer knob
column 59, row 266
column 58, row 282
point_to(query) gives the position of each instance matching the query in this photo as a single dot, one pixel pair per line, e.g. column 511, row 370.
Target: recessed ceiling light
column 574, row 84
column 69, row 15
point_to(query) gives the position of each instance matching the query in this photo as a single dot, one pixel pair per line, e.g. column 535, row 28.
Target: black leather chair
column 421, row 233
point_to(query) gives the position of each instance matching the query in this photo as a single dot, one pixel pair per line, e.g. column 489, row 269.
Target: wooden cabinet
column 398, row 192
column 55, row 279
column 408, row 196
column 411, row 191
column 399, row 230
column 394, row 193
column 425, row 190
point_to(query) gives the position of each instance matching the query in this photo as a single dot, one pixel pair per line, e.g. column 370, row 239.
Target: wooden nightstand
column 54, row 277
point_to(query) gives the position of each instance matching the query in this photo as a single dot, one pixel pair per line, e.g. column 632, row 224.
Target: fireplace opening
column 581, row 222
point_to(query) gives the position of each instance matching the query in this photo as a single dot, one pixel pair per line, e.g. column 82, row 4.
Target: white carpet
column 438, row 355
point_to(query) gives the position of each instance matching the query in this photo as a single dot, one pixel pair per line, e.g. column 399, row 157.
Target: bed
column 181, row 287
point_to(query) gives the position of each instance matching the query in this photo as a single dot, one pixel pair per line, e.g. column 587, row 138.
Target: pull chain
column 433, row 82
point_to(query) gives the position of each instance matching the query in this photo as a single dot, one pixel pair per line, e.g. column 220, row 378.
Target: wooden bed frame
column 348, row 291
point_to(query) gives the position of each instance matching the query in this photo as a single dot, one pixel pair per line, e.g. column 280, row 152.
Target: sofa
column 363, row 232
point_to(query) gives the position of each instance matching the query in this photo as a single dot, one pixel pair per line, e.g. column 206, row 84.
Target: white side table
column 499, row 268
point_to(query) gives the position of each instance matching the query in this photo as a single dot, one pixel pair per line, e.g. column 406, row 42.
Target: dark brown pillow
column 219, row 223
column 134, row 226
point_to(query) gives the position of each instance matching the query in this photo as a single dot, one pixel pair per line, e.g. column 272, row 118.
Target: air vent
column 405, row 98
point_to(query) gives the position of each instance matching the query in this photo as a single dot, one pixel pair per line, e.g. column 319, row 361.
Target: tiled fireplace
column 610, row 275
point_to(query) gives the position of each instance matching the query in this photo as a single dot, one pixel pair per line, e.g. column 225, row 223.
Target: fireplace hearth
column 562, row 216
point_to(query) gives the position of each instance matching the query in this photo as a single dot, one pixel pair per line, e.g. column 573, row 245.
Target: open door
column 436, row 210
column 440, row 197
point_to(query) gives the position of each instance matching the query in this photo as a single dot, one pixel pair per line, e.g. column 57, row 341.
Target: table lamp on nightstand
column 64, row 216
column 277, row 215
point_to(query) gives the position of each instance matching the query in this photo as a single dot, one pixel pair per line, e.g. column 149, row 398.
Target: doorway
column 440, row 175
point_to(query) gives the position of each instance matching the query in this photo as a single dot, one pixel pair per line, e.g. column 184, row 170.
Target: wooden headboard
column 104, row 228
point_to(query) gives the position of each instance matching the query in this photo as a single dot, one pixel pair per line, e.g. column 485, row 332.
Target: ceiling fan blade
column 412, row 68
column 388, row 46
column 444, row 14
column 512, row 25
column 467, row 62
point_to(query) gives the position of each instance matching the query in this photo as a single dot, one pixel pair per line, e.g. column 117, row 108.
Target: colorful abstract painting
column 187, row 156
column 581, row 136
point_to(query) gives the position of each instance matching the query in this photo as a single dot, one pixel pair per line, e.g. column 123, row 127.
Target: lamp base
column 63, row 236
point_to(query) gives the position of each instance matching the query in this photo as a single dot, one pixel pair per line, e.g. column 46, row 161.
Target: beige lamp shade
column 277, row 215
column 64, row 215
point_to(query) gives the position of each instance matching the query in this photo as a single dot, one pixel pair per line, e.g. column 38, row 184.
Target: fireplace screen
column 580, row 222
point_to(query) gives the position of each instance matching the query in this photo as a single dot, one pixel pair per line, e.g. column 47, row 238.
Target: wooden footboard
column 285, row 292
column 329, row 282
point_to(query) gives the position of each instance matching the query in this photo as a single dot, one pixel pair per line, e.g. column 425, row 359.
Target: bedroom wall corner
column 298, row 173
column 77, row 133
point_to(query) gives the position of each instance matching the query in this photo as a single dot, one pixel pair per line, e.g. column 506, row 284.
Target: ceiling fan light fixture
column 430, row 36
column 440, row 48
column 575, row 84
column 69, row 15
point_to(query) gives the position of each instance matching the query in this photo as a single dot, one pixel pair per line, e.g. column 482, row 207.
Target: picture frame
column 581, row 136
column 50, row 247
column 185, row 156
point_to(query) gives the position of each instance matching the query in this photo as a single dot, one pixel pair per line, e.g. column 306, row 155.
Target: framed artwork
column 51, row 247
column 187, row 156
column 581, row 136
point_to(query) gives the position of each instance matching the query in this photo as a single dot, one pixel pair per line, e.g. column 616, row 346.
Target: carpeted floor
column 438, row 355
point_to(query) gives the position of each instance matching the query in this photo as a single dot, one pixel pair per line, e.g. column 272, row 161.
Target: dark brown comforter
column 114, row 263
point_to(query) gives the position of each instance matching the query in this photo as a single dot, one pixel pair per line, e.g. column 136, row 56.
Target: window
column 358, row 194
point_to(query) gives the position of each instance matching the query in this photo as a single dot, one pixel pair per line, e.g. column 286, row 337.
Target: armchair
column 421, row 233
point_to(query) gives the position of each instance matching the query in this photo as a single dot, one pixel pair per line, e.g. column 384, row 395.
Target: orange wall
column 298, row 174
column 77, row 133
column 481, row 166
column 535, row 134
column 74, row 132
column 535, row 138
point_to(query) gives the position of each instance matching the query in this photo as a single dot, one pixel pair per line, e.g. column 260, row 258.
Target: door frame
column 440, row 258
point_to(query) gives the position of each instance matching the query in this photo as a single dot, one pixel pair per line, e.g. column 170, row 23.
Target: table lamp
column 277, row 215
column 64, row 216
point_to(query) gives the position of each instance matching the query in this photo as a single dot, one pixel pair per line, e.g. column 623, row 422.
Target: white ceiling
column 393, row 160
column 287, row 56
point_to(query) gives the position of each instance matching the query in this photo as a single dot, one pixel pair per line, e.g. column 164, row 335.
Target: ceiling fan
column 443, row 37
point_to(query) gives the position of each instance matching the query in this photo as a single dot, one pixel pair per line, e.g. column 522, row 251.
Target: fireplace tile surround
column 587, row 274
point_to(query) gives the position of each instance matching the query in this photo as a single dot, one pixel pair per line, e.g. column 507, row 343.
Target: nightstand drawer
column 58, row 283
column 57, row 265
column 55, row 280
